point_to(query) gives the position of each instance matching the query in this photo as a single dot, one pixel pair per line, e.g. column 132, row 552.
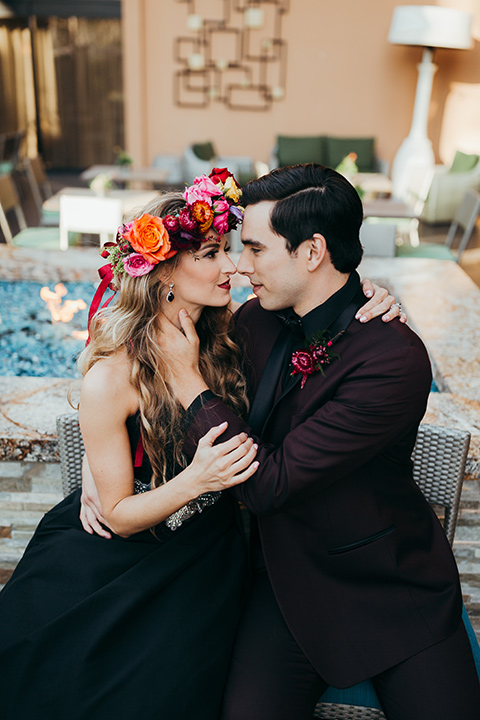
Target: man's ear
column 317, row 249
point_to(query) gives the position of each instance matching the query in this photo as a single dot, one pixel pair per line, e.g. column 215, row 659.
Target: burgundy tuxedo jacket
column 359, row 563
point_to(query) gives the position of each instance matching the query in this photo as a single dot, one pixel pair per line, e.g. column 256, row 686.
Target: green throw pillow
column 204, row 151
column 293, row 150
column 463, row 163
column 338, row 148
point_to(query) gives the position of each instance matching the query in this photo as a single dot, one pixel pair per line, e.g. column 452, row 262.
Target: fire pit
column 34, row 341
column 43, row 327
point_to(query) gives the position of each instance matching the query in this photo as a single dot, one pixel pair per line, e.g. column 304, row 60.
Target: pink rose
column 220, row 223
column 202, row 189
column 124, row 230
column 136, row 265
column 206, row 185
column 220, row 206
column 193, row 194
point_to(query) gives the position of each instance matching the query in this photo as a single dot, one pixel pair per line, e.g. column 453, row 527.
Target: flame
column 80, row 334
column 61, row 313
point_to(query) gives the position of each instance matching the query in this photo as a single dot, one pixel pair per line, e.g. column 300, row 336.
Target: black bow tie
column 292, row 321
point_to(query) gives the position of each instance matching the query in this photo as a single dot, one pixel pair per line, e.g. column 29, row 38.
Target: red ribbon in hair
column 106, row 276
column 138, row 460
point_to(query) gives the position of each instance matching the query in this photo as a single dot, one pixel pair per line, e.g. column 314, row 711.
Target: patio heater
column 429, row 27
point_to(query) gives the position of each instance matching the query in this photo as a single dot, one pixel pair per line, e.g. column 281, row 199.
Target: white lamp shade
column 431, row 26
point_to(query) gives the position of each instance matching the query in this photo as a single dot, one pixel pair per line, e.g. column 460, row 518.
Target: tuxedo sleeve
column 373, row 408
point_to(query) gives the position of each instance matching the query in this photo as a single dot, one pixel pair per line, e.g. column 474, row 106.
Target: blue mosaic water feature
column 30, row 344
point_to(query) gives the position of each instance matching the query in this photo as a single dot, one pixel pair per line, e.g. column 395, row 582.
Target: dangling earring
column 170, row 296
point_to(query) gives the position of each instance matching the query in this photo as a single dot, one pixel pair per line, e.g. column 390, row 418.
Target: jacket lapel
column 338, row 326
column 267, row 386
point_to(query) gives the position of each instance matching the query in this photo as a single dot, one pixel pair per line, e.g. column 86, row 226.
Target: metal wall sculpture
column 236, row 57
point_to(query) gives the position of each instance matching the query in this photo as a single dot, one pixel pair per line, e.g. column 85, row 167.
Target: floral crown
column 211, row 203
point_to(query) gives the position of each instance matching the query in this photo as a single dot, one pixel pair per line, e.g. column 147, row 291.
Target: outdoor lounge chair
column 40, row 189
column 465, row 219
column 34, row 237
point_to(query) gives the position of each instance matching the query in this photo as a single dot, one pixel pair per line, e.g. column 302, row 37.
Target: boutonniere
column 314, row 356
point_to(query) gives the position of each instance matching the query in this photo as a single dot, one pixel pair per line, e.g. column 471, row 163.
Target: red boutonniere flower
column 317, row 353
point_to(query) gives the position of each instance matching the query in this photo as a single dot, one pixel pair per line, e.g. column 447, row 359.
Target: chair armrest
column 446, row 193
column 381, row 166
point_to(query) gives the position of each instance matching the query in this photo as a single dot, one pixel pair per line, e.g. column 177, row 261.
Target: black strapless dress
column 120, row 629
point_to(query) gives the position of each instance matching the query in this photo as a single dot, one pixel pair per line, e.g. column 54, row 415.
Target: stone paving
column 466, row 548
column 27, row 491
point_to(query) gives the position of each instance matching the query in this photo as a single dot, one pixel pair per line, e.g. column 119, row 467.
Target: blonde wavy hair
column 130, row 324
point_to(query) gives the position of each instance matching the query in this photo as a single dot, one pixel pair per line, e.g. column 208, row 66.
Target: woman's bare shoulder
column 108, row 380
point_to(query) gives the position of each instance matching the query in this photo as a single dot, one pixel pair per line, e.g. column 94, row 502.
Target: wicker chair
column 71, row 450
column 337, row 711
column 439, row 459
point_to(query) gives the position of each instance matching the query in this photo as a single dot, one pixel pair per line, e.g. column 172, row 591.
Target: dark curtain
column 17, row 97
column 77, row 74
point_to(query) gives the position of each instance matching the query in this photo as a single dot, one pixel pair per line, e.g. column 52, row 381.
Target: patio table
column 388, row 208
column 391, row 215
column 120, row 173
column 373, row 184
column 131, row 199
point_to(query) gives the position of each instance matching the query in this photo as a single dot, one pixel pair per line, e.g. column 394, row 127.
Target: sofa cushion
column 292, row 150
column 204, row 151
column 463, row 163
column 338, row 148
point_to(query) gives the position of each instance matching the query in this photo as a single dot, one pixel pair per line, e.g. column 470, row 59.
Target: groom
column 353, row 575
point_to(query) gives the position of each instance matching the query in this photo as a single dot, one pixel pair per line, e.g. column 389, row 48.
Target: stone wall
column 27, row 491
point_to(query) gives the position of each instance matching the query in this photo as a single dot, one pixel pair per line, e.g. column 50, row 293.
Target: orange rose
column 149, row 237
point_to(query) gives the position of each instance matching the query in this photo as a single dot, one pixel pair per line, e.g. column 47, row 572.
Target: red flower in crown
column 187, row 222
column 171, row 223
column 221, row 174
column 314, row 356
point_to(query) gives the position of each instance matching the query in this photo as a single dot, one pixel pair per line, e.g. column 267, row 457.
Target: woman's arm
column 105, row 403
column 91, row 511
column 380, row 303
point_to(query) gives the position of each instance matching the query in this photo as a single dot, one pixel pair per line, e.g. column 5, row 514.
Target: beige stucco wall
column 343, row 78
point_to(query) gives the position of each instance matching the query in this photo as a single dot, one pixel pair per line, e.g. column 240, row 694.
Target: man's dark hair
column 312, row 199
